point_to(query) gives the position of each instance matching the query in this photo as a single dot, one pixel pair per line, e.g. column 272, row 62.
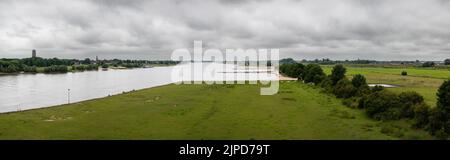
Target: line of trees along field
column 55, row 65
column 377, row 102
column 416, row 63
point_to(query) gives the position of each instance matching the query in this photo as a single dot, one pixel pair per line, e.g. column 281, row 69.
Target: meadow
column 422, row 80
column 298, row 111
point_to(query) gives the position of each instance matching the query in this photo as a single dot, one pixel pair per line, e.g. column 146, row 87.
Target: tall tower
column 33, row 54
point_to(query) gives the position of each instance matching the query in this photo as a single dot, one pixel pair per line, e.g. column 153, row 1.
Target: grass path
column 201, row 112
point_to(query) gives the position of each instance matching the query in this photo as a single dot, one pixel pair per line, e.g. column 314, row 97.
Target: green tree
column 443, row 100
column 377, row 88
column 436, row 121
column 404, row 73
column 428, row 64
column 292, row 70
column 11, row 68
column 359, row 81
column 313, row 74
column 105, row 65
column 382, row 105
column 337, row 73
column 407, row 101
column 344, row 89
column 447, row 61
column 287, row 61
column 421, row 114
column 86, row 61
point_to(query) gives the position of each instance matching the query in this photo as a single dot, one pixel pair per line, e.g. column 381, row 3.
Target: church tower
column 33, row 54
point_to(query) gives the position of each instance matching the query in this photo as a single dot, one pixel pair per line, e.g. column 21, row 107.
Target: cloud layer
column 142, row 29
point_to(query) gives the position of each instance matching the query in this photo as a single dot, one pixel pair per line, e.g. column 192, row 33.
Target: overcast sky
column 302, row 29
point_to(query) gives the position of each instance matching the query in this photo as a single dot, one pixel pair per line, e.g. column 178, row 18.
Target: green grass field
column 424, row 81
column 205, row 112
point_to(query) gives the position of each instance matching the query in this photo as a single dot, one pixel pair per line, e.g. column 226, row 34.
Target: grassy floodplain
column 298, row 111
column 422, row 80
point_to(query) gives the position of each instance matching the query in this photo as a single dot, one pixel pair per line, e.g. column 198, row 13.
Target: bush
column 344, row 89
column 56, row 69
column 447, row 61
column 392, row 130
column 408, row 100
column 404, row 73
column 443, row 102
column 79, row 67
column 351, row 102
column 435, row 121
column 337, row 73
column 421, row 113
column 428, row 64
column 11, row 69
column 131, row 65
column 382, row 105
column 377, row 88
column 91, row 67
column 292, row 70
column 438, row 119
column 327, row 85
column 313, row 74
column 30, row 69
column 359, row 81
column 287, row 61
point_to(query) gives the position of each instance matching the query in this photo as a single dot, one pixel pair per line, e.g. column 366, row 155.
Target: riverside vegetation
column 55, row 65
column 377, row 102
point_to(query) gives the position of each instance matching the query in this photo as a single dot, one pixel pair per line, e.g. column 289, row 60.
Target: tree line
column 55, row 65
column 377, row 102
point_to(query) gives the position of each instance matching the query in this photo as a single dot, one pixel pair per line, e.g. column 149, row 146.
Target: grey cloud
column 344, row 29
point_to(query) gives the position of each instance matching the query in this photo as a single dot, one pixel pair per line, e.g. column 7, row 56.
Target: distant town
column 36, row 64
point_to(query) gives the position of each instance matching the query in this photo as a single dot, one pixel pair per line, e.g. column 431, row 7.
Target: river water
column 30, row 91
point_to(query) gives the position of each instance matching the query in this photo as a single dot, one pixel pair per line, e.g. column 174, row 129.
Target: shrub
column 56, row 69
column 344, row 89
column 30, row 69
column 392, row 130
column 351, row 102
column 292, row 70
column 79, row 67
column 287, row 61
column 443, row 101
column 337, row 73
column 359, row 80
column 435, row 121
column 447, row 61
column 11, row 69
column 428, row 64
column 382, row 105
column 313, row 74
column 377, row 88
column 408, row 100
column 327, row 85
column 421, row 113
column 404, row 73
column 91, row 67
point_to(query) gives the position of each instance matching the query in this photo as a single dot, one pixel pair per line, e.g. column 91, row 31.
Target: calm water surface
column 28, row 91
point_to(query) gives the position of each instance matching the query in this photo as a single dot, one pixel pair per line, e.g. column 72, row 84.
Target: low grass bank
column 298, row 111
